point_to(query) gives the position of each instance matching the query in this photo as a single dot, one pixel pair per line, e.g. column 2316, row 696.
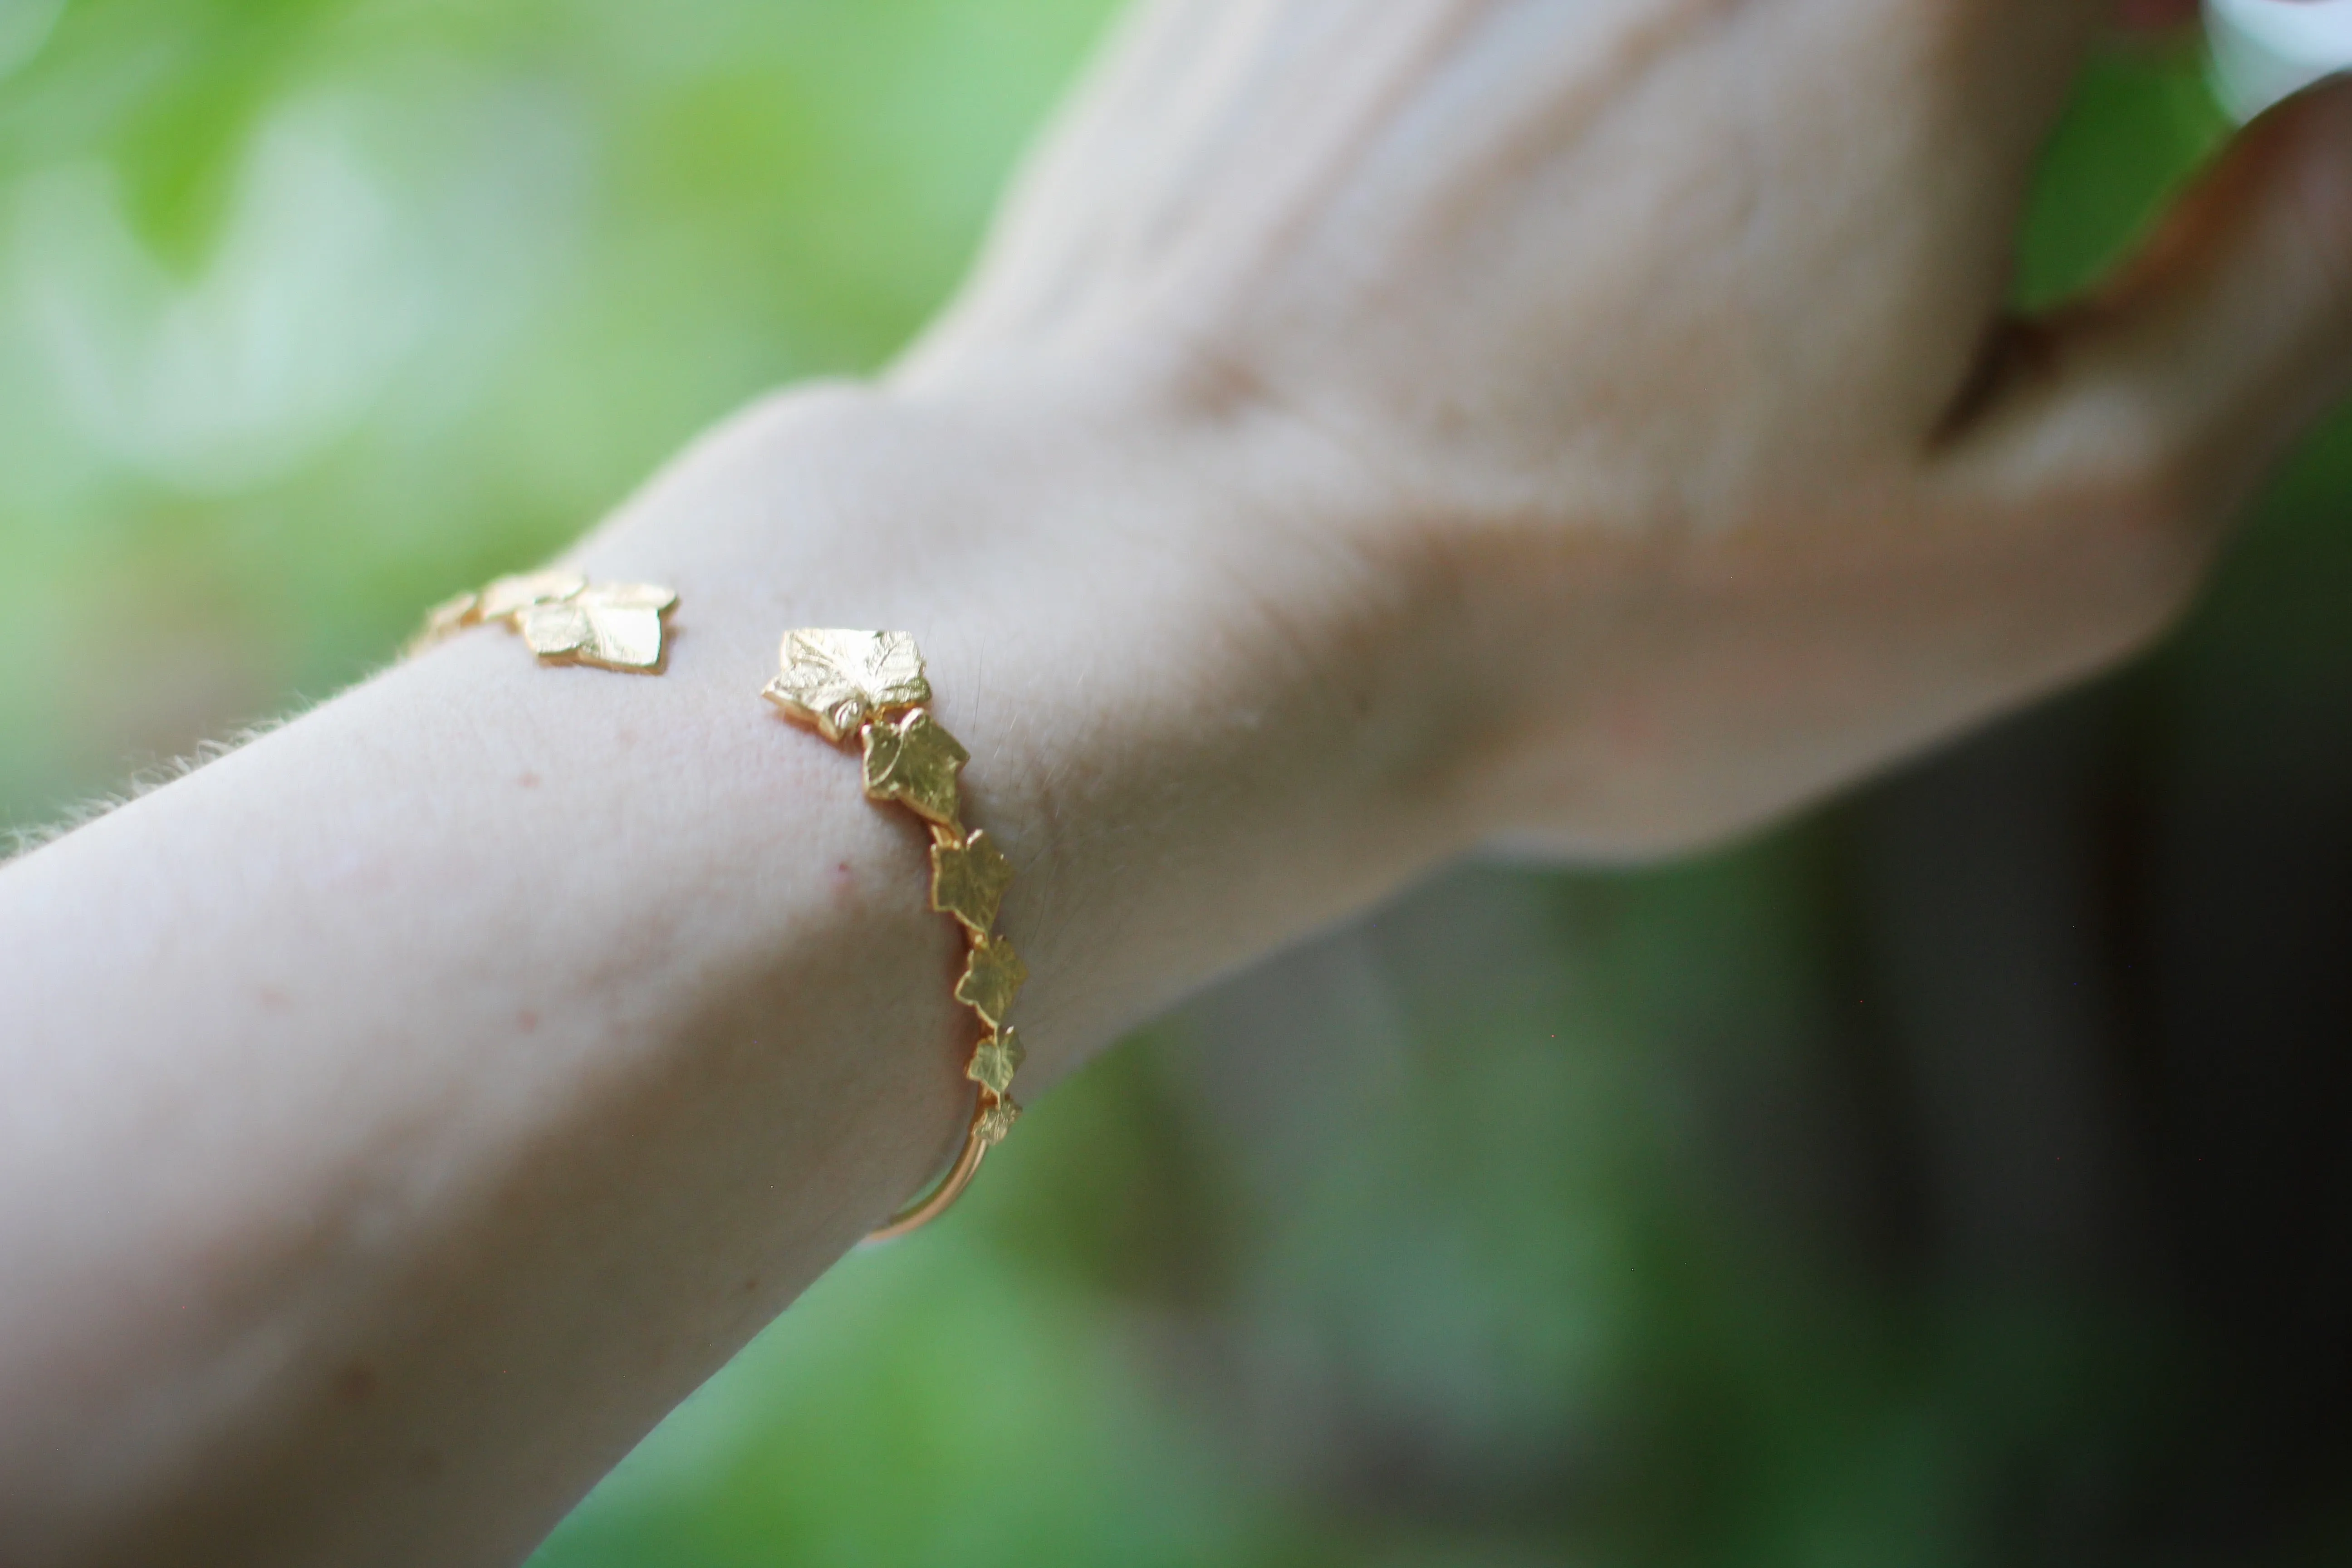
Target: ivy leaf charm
column 509, row 597
column 837, row 680
column 969, row 879
column 992, row 977
column 613, row 625
column 994, row 1061
column 915, row 761
column 995, row 1119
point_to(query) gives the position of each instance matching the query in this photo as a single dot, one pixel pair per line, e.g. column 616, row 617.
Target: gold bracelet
column 564, row 618
column 847, row 685
column 869, row 687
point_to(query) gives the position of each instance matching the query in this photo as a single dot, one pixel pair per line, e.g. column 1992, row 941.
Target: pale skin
column 1373, row 432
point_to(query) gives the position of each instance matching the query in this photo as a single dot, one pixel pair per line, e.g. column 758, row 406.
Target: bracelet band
column 869, row 687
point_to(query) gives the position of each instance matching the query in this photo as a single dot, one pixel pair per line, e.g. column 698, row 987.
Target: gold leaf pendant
column 565, row 619
column 613, row 625
column 835, row 680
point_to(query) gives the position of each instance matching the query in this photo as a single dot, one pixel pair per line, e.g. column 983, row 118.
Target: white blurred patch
column 24, row 27
column 233, row 377
column 2265, row 51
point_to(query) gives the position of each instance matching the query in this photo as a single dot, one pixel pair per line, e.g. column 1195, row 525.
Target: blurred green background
column 1716, row 1215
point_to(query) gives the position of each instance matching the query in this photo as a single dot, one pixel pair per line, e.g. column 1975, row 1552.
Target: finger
column 2192, row 371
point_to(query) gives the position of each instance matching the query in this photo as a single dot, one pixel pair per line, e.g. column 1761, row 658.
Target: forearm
column 493, row 1022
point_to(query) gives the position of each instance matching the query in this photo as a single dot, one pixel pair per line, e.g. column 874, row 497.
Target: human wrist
column 1121, row 617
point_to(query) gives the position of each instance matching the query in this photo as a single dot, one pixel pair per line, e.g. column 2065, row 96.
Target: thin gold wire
column 930, row 1205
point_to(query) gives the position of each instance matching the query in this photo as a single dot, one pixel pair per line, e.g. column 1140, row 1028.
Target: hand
column 1644, row 363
